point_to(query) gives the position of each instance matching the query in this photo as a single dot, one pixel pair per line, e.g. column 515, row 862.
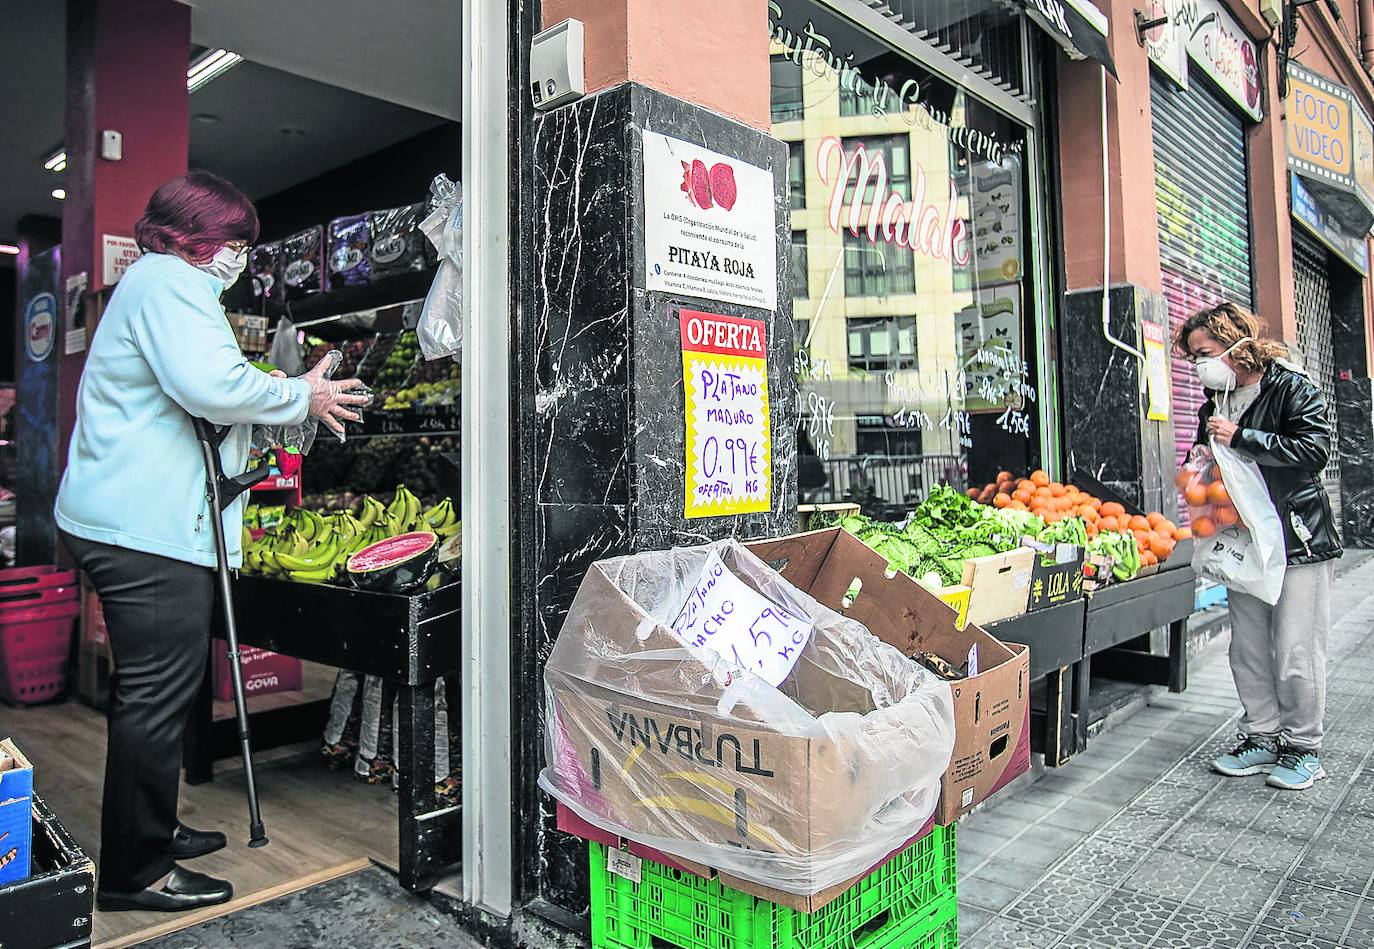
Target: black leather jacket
column 1286, row 432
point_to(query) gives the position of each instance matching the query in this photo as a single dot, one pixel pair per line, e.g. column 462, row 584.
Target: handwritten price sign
column 725, row 382
column 739, row 624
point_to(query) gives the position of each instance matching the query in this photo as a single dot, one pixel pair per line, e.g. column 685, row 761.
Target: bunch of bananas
column 311, row 547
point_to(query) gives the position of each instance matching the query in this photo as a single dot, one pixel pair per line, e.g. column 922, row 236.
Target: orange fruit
column 1148, row 558
column 1040, row 478
column 1044, row 491
column 1226, row 515
column 1160, row 547
column 1001, row 500
column 1204, row 527
column 1196, row 495
column 1217, row 493
column 1113, row 509
column 1183, row 533
column 1017, row 505
column 1139, row 523
column 1057, row 489
column 1005, row 476
column 1142, row 540
column 1107, row 523
column 1088, row 513
column 1166, row 527
column 1091, row 529
column 1182, row 478
column 1154, row 517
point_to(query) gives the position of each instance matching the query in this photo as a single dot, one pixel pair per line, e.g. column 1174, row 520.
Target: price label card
column 624, row 865
column 725, row 388
column 735, row 621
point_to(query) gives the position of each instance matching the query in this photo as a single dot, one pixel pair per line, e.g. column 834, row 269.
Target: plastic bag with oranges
column 1240, row 540
column 1200, row 481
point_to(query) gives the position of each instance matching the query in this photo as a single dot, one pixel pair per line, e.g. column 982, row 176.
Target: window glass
column 915, row 339
column 786, row 89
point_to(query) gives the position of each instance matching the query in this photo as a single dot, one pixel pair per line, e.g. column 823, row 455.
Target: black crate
column 54, row 906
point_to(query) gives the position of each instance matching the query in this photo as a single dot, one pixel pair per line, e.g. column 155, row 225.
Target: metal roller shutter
column 1203, row 214
column 1312, row 290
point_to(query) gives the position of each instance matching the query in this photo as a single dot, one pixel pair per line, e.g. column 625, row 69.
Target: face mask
column 227, row 265
column 1214, row 373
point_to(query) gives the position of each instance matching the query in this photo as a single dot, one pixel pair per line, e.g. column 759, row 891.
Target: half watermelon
column 397, row 564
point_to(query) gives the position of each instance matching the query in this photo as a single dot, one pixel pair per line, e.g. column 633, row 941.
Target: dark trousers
column 157, row 612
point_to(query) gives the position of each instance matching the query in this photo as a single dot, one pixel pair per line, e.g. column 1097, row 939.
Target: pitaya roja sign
column 928, row 224
column 710, row 225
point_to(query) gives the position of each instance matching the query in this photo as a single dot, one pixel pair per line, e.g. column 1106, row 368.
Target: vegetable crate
column 907, row 903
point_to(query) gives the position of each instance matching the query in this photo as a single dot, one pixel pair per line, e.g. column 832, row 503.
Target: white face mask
column 1214, row 373
column 227, row 264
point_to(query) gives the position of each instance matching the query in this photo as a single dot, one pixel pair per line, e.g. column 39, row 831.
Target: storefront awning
column 1331, row 145
column 1076, row 25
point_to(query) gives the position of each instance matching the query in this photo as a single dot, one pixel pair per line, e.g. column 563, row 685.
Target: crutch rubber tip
column 258, row 842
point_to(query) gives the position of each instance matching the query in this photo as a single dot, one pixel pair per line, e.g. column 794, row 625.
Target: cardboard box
column 16, row 813
column 991, row 709
column 1000, row 586
column 263, row 672
column 1056, row 577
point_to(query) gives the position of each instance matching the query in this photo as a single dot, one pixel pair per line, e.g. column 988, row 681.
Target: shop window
column 801, row 332
column 800, row 264
column 905, row 382
column 786, row 88
column 896, row 153
column 882, row 343
column 876, row 270
column 796, row 175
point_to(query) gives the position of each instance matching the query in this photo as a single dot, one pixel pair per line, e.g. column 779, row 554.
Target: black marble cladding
column 1355, row 434
column 605, row 375
column 1106, row 432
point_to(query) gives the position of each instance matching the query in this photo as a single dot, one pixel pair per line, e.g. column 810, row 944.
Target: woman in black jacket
column 1270, row 412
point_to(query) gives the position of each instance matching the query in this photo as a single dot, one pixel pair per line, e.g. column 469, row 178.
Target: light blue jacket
column 163, row 351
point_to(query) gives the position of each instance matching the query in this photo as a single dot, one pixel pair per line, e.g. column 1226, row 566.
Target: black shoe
column 184, row 889
column 189, row 843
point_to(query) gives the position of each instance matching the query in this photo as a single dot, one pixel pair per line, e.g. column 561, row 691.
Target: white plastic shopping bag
column 1248, row 556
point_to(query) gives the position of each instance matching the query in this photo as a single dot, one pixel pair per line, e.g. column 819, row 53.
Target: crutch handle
column 229, row 487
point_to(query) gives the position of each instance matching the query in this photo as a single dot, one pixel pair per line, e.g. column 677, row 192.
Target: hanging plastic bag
column 440, row 329
column 286, row 352
column 1239, row 538
column 799, row 786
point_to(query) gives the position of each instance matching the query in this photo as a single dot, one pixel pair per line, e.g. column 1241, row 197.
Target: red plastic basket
column 22, row 582
column 35, row 642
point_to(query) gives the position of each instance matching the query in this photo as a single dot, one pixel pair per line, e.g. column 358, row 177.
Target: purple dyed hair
column 194, row 216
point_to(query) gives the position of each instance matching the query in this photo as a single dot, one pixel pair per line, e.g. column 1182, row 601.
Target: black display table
column 1107, row 631
column 409, row 641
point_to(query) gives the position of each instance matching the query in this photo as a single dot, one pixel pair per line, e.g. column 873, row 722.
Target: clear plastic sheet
column 441, row 321
column 798, row 788
column 1248, row 555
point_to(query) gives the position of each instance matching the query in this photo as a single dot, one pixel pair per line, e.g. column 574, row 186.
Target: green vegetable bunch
column 1121, row 547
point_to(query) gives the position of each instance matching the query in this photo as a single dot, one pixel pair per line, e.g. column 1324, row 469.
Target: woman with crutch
column 133, row 511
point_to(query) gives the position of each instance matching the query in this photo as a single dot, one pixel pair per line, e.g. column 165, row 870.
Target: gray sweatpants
column 1278, row 656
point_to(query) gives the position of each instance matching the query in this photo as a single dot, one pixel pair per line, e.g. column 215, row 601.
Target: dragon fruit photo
column 707, row 188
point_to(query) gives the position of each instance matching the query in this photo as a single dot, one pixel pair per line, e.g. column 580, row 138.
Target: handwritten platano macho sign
column 725, row 391
column 741, row 625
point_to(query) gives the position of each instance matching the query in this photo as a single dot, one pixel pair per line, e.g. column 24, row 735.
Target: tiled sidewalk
column 1136, row 843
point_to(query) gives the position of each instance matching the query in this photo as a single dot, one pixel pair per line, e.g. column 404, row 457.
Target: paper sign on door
column 737, row 623
column 725, row 389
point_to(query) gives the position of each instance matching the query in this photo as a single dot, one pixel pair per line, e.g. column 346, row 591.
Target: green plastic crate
column 673, row 909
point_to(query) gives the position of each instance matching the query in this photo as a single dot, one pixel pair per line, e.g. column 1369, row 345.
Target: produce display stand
column 55, row 905
column 1107, row 631
column 409, row 641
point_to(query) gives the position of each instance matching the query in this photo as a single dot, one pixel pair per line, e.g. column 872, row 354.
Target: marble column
column 1106, row 432
column 606, row 366
column 1354, row 407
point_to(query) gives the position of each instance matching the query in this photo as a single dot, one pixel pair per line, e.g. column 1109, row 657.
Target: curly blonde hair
column 1228, row 324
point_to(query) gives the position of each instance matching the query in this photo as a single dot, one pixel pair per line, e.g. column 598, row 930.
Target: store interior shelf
column 321, row 312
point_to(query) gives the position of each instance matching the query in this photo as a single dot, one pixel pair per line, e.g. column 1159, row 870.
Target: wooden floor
column 320, row 822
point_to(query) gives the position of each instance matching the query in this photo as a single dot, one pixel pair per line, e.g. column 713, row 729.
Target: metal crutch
column 221, row 491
